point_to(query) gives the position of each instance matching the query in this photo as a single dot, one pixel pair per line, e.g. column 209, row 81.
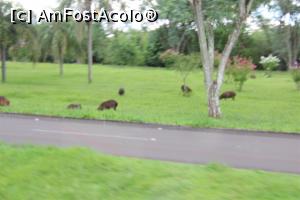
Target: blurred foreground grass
column 49, row 173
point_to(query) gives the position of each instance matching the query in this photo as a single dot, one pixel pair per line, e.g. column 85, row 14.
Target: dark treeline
column 139, row 48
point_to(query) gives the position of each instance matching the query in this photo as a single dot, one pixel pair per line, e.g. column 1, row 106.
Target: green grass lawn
column 152, row 95
column 50, row 173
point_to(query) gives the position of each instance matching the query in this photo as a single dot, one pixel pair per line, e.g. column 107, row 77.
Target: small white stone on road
column 160, row 129
column 153, row 139
column 37, row 119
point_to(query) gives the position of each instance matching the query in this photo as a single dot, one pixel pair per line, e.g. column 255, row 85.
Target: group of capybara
column 113, row 104
column 106, row 105
column 186, row 90
column 110, row 104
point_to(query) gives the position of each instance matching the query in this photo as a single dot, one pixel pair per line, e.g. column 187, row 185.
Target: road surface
column 240, row 149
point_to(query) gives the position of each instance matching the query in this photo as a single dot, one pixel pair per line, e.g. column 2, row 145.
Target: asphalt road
column 240, row 149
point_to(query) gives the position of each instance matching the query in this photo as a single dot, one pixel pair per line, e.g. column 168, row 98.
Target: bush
column 269, row 63
column 239, row 70
column 296, row 77
column 185, row 64
column 169, row 57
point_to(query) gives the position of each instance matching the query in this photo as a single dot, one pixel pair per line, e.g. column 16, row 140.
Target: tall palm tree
column 87, row 5
column 57, row 36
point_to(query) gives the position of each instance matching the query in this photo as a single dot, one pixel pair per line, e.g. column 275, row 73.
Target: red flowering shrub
column 240, row 69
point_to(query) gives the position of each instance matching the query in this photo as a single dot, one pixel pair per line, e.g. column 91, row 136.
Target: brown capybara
column 121, row 91
column 228, row 95
column 186, row 89
column 4, row 101
column 253, row 76
column 108, row 105
column 74, row 106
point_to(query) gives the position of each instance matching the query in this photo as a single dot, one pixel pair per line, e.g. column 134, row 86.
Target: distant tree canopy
column 142, row 47
column 287, row 33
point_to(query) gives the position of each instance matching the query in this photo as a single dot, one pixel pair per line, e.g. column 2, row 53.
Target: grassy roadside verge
column 152, row 96
column 50, row 173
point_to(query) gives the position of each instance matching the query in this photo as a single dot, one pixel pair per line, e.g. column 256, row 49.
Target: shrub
column 185, row 64
column 169, row 57
column 239, row 70
column 269, row 63
column 296, row 77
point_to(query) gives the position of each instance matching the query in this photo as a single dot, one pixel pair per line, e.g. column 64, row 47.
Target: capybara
column 253, row 76
column 74, row 106
column 121, row 91
column 228, row 95
column 4, row 101
column 186, row 89
column 108, row 105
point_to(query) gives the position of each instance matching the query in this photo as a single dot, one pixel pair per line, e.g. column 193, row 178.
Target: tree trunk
column 292, row 45
column 180, row 43
column 233, row 38
column 61, row 66
column 3, row 63
column 214, row 109
column 203, row 43
column 90, row 52
column 88, row 4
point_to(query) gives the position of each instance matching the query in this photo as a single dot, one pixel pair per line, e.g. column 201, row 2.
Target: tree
column 287, row 33
column 7, row 37
column 12, row 34
column 58, row 36
column 205, row 25
column 180, row 22
column 291, row 30
column 88, row 5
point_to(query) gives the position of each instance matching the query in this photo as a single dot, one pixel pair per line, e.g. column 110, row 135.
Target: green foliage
column 239, row 70
column 158, row 43
column 296, row 77
column 126, row 49
column 169, row 57
column 100, row 43
column 269, row 63
column 254, row 45
column 8, row 32
column 186, row 64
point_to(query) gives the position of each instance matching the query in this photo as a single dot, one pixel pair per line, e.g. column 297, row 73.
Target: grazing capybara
column 74, row 106
column 108, row 105
column 228, row 95
column 253, row 76
column 186, row 89
column 4, row 101
column 121, row 91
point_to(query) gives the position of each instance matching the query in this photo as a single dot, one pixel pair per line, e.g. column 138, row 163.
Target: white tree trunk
column 214, row 109
column 90, row 52
column 233, row 38
column 207, row 65
column 61, row 66
column 3, row 63
column 90, row 43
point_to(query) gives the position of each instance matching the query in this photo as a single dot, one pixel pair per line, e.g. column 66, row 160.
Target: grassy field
column 49, row 173
column 152, row 95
